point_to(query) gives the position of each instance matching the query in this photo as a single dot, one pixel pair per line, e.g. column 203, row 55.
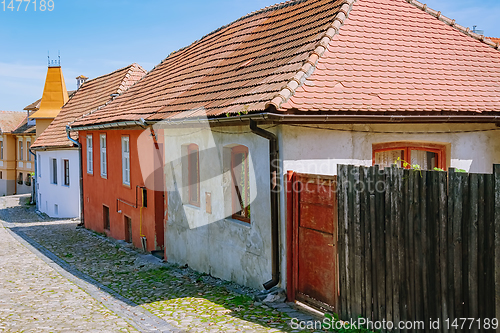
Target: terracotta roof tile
column 92, row 95
column 24, row 127
column 322, row 55
column 441, row 70
column 9, row 120
column 239, row 67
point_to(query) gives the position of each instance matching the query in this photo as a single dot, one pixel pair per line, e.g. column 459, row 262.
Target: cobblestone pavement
column 35, row 298
column 186, row 300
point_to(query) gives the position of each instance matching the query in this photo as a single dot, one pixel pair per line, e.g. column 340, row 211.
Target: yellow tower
column 54, row 97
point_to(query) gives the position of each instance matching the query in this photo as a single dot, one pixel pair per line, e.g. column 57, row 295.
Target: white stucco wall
column 319, row 151
column 67, row 198
column 215, row 243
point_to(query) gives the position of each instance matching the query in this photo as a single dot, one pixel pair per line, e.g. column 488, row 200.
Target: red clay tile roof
column 494, row 39
column 238, row 68
column 392, row 56
column 24, row 128
column 9, row 120
column 92, row 95
column 388, row 55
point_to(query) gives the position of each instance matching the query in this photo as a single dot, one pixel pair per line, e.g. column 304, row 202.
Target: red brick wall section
column 99, row 191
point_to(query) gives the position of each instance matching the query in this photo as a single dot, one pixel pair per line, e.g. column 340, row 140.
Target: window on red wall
column 240, row 183
column 194, row 174
column 427, row 155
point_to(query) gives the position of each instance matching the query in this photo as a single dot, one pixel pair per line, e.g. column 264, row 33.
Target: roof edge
column 451, row 23
column 310, row 64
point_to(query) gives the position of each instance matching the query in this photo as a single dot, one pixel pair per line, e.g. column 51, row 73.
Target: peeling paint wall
column 215, row 243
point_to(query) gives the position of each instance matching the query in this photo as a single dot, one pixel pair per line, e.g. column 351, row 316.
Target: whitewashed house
column 58, row 158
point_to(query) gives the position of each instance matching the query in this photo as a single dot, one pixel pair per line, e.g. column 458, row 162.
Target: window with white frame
column 53, row 170
column 66, row 172
column 126, row 160
column 90, row 154
column 104, row 161
column 28, row 146
column 21, row 152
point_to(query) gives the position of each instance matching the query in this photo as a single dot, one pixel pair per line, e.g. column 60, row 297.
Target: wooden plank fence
column 419, row 246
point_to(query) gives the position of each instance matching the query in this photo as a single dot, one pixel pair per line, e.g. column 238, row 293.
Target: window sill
column 191, row 206
column 238, row 222
column 126, row 186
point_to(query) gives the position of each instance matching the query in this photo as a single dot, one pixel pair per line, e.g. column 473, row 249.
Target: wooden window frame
column 125, row 160
column 66, row 180
column 193, row 150
column 90, row 154
column 236, row 199
column 103, row 155
column 407, row 147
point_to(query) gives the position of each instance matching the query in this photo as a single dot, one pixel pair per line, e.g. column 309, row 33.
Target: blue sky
column 96, row 37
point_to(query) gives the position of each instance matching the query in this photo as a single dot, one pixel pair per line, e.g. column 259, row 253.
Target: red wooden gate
column 312, row 240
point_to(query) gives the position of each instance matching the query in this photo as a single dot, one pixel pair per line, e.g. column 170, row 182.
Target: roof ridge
column 450, row 22
column 108, row 74
column 310, row 64
column 135, row 66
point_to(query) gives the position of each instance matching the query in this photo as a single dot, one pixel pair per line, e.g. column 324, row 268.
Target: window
column 126, row 160
column 105, row 217
column 240, row 183
column 20, row 178
column 104, row 162
column 427, row 155
column 21, row 155
column 128, row 229
column 39, row 171
column 66, row 172
column 28, row 146
column 1, row 174
column 194, row 175
column 27, row 182
column 54, row 171
column 90, row 162
column 1, row 150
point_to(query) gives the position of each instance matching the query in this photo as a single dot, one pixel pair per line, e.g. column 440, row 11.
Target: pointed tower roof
column 54, row 94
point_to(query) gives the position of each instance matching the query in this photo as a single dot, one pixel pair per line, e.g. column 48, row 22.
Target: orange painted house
column 116, row 201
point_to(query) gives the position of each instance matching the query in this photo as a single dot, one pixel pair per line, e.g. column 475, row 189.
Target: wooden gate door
column 315, row 258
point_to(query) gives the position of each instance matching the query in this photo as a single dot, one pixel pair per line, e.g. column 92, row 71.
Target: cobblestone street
column 56, row 277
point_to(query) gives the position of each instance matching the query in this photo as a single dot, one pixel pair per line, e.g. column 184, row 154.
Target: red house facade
column 116, row 199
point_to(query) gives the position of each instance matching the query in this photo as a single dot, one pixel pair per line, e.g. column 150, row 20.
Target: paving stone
column 179, row 297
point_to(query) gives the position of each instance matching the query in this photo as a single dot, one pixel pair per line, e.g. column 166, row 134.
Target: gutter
column 34, row 181
column 273, row 165
column 294, row 118
column 78, row 144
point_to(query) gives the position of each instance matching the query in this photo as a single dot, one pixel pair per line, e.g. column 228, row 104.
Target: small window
column 27, row 182
column 39, row 171
column 194, row 175
column 126, row 160
column 1, row 150
column 21, row 153
column 426, row 156
column 1, row 174
column 20, row 178
column 28, row 146
column 54, row 171
column 240, row 183
column 66, row 172
column 90, row 160
column 56, row 209
column 104, row 162
column 105, row 217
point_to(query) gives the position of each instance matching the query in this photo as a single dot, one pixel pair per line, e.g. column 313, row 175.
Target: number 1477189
column 27, row 5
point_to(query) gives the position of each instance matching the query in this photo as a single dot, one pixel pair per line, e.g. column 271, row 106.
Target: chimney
column 80, row 80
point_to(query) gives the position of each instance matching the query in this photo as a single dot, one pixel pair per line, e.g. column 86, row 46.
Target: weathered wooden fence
column 415, row 246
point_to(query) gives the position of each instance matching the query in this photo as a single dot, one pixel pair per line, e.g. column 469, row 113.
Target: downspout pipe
column 273, row 165
column 34, row 181
column 78, row 144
